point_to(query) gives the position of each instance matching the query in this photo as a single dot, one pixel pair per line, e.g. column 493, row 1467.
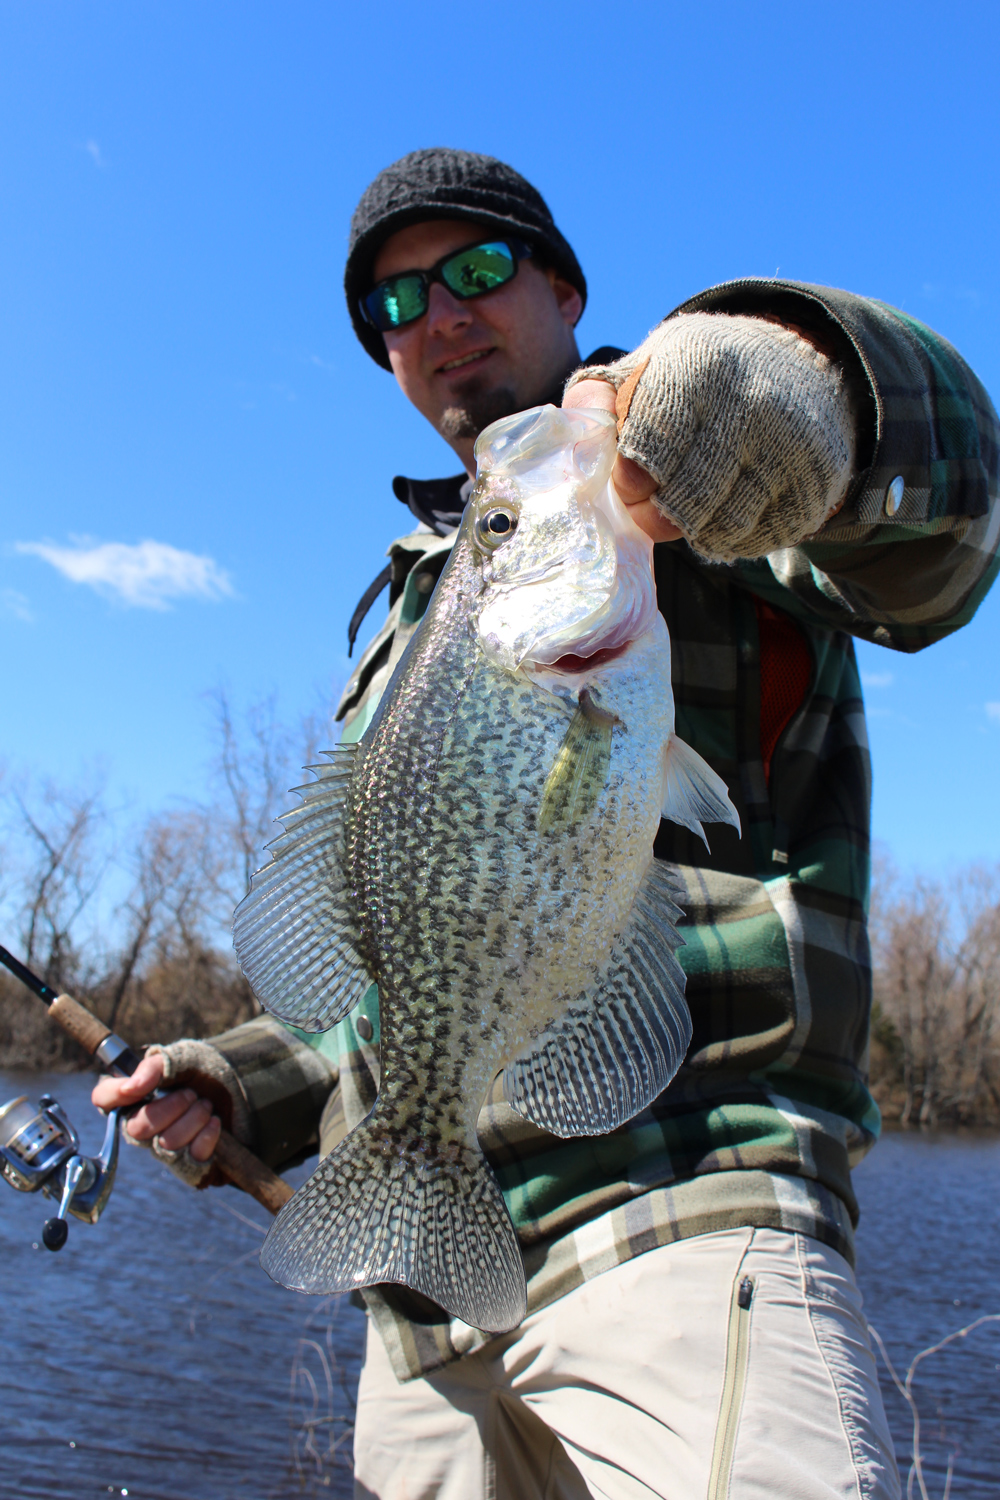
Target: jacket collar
column 438, row 503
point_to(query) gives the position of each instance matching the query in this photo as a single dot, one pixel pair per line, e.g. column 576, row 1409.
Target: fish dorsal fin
column 293, row 934
column 693, row 791
column 579, row 773
column 618, row 1045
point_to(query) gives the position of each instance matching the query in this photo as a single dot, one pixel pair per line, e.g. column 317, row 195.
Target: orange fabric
column 626, row 391
column 785, row 672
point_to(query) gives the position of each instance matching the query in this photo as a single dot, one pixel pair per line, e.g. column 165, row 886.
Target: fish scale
column 485, row 856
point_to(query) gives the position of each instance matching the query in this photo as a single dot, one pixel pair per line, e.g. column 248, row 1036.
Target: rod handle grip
column 248, row 1172
column 77, row 1020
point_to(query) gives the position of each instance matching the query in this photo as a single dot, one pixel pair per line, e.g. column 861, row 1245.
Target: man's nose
column 446, row 315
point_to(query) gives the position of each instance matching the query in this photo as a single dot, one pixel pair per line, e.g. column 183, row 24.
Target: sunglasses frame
column 519, row 251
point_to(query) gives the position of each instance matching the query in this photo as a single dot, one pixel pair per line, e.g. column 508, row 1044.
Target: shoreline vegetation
column 134, row 921
column 133, row 918
column 935, row 1046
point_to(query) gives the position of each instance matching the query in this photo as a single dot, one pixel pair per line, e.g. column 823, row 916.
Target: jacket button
column 894, row 495
column 364, row 1028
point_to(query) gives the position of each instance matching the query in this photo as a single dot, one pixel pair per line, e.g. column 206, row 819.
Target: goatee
column 477, row 410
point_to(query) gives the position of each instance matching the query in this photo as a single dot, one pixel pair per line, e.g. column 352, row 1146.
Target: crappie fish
column 485, row 855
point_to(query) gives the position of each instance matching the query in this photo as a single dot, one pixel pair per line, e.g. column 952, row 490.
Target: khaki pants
column 732, row 1366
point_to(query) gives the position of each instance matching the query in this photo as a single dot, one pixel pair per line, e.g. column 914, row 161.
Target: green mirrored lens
column 478, row 269
column 398, row 300
column 467, row 273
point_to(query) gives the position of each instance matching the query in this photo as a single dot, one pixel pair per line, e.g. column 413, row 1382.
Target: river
column 151, row 1358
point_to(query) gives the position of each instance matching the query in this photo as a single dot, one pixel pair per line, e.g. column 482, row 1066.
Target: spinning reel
column 40, row 1152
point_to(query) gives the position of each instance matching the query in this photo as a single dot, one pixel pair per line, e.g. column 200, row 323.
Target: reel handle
column 55, row 1233
column 56, row 1230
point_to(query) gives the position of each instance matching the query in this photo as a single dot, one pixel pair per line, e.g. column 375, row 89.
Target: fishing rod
column 40, row 1149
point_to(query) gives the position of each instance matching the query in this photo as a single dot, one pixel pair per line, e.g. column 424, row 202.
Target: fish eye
column 495, row 526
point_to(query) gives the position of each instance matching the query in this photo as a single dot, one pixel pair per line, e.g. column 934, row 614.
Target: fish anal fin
column 293, row 933
column 384, row 1209
column 579, row 773
column 693, row 792
column 617, row 1046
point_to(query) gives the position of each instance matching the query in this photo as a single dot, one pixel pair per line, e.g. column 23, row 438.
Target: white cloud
column 877, row 679
column 16, row 604
column 146, row 576
column 93, row 150
column 993, row 711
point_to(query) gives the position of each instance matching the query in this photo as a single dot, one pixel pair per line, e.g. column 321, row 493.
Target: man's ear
column 568, row 299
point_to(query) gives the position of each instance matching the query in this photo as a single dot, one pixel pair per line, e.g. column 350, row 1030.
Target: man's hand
column 177, row 1120
column 635, row 487
column 740, row 431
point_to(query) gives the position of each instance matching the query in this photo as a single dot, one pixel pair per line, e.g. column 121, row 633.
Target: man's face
column 465, row 364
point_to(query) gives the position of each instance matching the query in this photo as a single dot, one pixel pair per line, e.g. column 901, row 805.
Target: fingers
column 179, row 1119
column 207, row 1139
column 114, row 1093
column 176, row 1119
column 634, row 485
column 632, row 482
column 636, row 488
column 188, row 1125
column 593, row 394
column 653, row 522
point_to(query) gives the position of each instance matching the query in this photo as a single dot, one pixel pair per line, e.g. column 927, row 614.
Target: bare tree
column 61, row 868
column 936, row 947
column 255, row 764
column 156, row 960
column 54, row 863
column 168, row 908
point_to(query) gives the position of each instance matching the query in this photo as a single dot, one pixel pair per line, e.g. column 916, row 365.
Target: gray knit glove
column 202, row 1067
column 747, row 429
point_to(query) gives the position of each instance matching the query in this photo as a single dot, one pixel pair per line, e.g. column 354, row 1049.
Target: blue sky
column 178, row 372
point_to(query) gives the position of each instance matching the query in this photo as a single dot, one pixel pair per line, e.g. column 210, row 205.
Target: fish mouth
column 577, row 664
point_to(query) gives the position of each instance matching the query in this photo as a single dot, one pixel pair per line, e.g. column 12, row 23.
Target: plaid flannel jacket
column 771, row 1107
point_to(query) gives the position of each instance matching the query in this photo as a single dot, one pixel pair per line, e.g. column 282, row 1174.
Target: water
column 928, row 1263
column 153, row 1356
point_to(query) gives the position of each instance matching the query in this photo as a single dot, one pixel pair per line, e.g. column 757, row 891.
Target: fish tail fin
column 384, row 1207
column 692, row 790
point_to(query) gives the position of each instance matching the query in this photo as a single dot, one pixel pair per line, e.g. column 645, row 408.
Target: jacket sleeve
column 913, row 551
column 268, row 1085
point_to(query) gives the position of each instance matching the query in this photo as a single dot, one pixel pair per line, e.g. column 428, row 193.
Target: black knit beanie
column 445, row 184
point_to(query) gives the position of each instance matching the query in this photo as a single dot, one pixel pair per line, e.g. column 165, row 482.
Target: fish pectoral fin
column 376, row 1212
column 617, row 1046
column 692, row 791
column 579, row 772
column 292, row 932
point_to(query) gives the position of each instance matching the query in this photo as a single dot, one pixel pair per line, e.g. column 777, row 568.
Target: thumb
column 596, row 395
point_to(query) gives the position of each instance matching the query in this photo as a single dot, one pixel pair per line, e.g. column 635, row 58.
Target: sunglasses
column 471, row 272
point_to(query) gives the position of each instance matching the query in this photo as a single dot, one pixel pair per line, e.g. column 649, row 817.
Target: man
column 814, row 466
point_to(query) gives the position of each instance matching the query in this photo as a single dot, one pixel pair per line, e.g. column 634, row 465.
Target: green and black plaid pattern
column 286, row 1087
